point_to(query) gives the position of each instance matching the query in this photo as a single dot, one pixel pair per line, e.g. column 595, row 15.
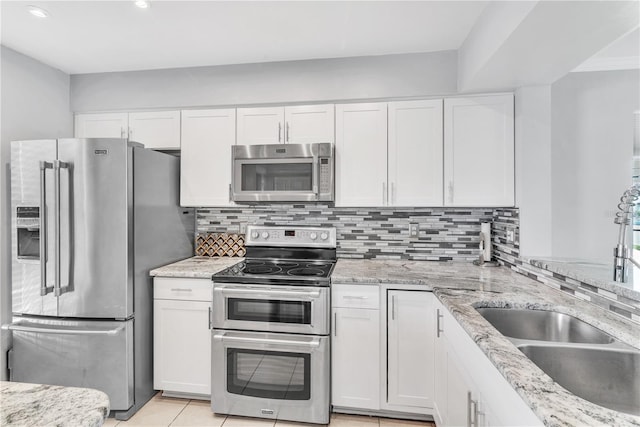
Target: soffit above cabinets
column 104, row 36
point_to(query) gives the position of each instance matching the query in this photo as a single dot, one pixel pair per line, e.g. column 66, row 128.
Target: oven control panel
column 283, row 236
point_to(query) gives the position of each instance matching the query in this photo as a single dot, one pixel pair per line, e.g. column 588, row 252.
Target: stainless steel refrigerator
column 90, row 218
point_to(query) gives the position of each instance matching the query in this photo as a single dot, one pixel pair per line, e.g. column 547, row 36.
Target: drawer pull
column 181, row 290
column 355, row 297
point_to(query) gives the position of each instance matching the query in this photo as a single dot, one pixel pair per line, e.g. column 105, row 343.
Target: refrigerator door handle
column 19, row 327
column 44, row 290
column 57, row 165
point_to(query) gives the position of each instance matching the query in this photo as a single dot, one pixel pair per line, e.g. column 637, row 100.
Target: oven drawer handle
column 222, row 337
column 269, row 292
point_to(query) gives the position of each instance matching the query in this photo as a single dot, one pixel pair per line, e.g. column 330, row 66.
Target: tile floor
column 167, row 411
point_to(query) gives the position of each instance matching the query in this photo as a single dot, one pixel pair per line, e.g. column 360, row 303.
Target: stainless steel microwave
column 283, row 173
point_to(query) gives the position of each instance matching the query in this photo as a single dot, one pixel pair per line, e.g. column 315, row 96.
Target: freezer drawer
column 94, row 354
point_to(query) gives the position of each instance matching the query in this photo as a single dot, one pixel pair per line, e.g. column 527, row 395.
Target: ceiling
column 102, row 36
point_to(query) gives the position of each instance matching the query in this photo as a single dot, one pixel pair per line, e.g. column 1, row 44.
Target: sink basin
column 606, row 377
column 543, row 326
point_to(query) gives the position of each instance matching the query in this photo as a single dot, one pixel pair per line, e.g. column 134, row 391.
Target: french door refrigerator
column 90, row 218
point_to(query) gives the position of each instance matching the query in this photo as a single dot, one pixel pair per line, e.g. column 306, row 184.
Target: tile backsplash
column 444, row 234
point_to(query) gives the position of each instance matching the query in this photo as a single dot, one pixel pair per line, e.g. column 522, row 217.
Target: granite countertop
column 463, row 286
column 197, row 267
column 47, row 405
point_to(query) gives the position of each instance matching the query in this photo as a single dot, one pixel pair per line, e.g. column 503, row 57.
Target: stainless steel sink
column 543, row 325
column 606, row 377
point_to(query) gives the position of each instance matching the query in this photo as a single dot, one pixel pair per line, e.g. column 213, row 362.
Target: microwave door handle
column 44, row 290
column 316, row 177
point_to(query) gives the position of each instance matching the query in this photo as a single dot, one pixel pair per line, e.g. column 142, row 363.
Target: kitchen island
column 50, row 405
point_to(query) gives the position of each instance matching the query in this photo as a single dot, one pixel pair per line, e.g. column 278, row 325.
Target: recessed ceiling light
column 143, row 4
column 38, row 11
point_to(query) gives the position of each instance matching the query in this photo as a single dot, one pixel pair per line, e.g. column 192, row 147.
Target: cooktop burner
column 271, row 271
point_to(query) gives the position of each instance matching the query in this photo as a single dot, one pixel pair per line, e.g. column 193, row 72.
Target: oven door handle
column 222, row 336
column 229, row 290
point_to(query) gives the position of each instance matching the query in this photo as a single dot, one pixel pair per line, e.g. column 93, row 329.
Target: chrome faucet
column 621, row 253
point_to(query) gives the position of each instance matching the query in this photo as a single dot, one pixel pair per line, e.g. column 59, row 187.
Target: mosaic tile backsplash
column 444, row 234
column 508, row 254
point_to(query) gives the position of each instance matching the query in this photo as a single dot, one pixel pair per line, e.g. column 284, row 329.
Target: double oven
column 270, row 342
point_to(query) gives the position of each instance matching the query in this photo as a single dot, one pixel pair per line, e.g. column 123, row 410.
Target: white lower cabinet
column 469, row 389
column 182, row 337
column 355, row 348
column 410, row 335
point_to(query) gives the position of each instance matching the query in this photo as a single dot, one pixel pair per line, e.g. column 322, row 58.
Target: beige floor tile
column 111, row 422
column 282, row 423
column 159, row 411
column 198, row 413
column 390, row 422
column 344, row 420
column 233, row 421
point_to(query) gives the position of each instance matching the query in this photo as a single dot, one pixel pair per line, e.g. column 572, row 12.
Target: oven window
column 269, row 374
column 277, row 177
column 278, row 311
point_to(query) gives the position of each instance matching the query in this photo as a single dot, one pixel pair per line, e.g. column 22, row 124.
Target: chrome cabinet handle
column 392, row 196
column 131, row 133
column 122, row 132
column 181, row 290
column 230, row 193
column 355, row 297
column 439, row 316
column 450, row 191
column 60, row 331
column 335, row 324
column 286, row 132
column 279, row 131
column 44, row 290
column 210, row 317
column 472, row 414
column 393, row 307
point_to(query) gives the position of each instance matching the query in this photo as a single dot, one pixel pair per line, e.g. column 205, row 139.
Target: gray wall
column 371, row 77
column 592, row 124
column 35, row 104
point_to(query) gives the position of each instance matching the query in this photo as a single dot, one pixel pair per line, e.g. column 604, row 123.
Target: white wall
column 533, row 168
column 318, row 80
column 592, row 145
column 34, row 104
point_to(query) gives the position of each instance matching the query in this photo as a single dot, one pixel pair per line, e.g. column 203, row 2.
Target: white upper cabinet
column 361, row 154
column 103, row 125
column 308, row 124
column 279, row 125
column 157, row 129
column 260, row 126
column 479, row 151
column 415, row 153
column 205, row 158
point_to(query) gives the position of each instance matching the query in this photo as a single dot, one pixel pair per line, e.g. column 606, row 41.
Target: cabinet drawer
column 183, row 289
column 355, row 296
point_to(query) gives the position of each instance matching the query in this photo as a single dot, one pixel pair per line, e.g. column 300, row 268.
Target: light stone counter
column 462, row 286
column 49, row 405
column 197, row 267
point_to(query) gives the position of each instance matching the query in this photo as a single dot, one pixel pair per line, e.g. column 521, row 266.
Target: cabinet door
column 355, row 357
column 157, row 129
column 205, row 158
column 307, row 124
column 361, row 154
column 410, row 340
column 106, row 125
column 458, row 397
column 440, row 369
column 261, row 125
column 479, row 151
column 182, row 346
column 415, row 153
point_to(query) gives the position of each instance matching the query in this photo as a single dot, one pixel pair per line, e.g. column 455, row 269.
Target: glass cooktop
column 303, row 272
